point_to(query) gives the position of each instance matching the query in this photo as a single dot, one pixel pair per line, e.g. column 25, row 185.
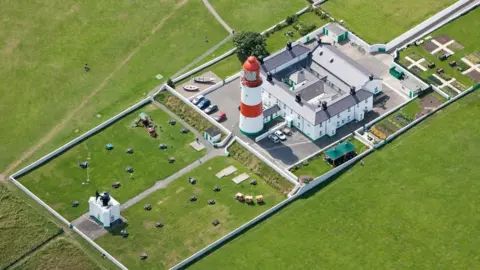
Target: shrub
column 291, row 19
column 170, row 83
column 305, row 163
column 305, row 28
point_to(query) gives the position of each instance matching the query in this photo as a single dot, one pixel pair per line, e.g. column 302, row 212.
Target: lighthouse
column 251, row 110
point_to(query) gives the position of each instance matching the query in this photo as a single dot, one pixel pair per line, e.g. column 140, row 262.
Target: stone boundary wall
column 440, row 92
column 425, row 24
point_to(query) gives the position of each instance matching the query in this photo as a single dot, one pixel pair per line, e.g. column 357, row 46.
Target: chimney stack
column 298, row 98
column 324, row 105
column 352, row 91
column 370, row 77
column 269, row 77
column 105, row 199
column 260, row 59
column 289, row 46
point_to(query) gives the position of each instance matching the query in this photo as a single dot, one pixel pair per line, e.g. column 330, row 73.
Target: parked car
column 280, row 135
column 220, row 117
column 211, row 109
column 287, row 131
column 274, row 138
column 203, row 104
column 197, row 99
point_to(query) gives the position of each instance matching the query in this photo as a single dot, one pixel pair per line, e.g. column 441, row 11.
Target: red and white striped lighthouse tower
column 251, row 110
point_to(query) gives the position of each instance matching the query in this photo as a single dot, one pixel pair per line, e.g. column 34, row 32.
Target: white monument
column 104, row 209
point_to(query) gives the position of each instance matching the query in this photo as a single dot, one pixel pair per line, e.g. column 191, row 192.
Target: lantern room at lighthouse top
column 251, row 72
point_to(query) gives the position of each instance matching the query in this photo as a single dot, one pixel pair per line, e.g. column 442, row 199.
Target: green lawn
column 460, row 31
column 382, row 21
column 61, row 253
column 187, row 225
column 60, row 181
column 126, row 43
column 256, row 16
column 317, row 166
column 21, row 227
column 413, row 205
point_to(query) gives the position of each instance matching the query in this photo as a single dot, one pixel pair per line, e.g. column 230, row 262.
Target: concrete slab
column 197, row 146
column 201, row 86
column 242, row 177
column 226, row 172
column 91, row 228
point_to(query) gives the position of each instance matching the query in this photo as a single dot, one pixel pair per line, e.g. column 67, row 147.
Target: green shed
column 340, row 153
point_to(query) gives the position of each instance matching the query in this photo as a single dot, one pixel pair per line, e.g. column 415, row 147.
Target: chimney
column 269, row 77
column 352, row 91
column 260, row 59
column 298, row 98
column 105, row 199
column 331, row 60
column 289, row 46
column 97, row 194
column 324, row 105
column 321, row 53
column 370, row 77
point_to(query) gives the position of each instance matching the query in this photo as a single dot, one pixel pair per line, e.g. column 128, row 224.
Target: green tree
column 250, row 43
column 170, row 83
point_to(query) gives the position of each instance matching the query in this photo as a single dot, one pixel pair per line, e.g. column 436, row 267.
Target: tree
column 291, row 19
column 250, row 43
column 170, row 83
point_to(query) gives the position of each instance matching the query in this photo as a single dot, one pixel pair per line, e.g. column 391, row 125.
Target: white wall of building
column 374, row 86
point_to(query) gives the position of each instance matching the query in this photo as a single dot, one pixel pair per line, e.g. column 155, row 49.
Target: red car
column 220, row 117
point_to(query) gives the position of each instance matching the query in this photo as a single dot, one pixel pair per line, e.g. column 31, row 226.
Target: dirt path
column 73, row 112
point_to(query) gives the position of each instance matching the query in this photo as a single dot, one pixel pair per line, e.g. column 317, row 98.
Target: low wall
column 79, row 139
column 440, row 92
column 376, row 120
column 332, row 172
column 316, row 3
column 319, row 151
column 225, row 141
column 202, row 113
column 270, row 131
column 377, row 48
column 409, row 74
column 285, row 173
column 314, row 34
column 203, row 66
column 360, row 42
column 207, row 90
column 58, row 216
column 424, row 25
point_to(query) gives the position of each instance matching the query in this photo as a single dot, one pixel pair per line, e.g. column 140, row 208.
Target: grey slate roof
column 213, row 131
column 341, row 105
column 283, row 56
column 343, row 67
column 271, row 110
column 336, row 29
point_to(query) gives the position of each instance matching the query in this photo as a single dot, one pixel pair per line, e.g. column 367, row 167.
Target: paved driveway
column 227, row 99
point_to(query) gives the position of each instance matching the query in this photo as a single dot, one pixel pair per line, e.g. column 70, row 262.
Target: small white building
column 317, row 90
column 104, row 209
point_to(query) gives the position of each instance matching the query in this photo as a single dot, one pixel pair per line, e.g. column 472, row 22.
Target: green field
column 21, row 227
column 382, row 21
column 460, row 31
column 60, row 181
column 125, row 43
column 317, row 166
column 256, row 16
column 413, row 205
column 187, row 225
column 60, row 253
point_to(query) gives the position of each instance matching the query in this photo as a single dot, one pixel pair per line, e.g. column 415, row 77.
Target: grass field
column 382, row 21
column 187, row 225
column 317, row 166
column 21, row 227
column 414, row 204
column 125, row 43
column 256, row 16
column 60, row 253
column 59, row 182
column 460, row 31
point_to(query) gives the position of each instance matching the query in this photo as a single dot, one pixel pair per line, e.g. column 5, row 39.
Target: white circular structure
column 251, row 110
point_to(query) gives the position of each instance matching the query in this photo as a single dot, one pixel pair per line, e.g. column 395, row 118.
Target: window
column 269, row 95
column 298, row 116
column 348, row 109
column 338, row 115
column 338, row 124
column 348, row 118
column 298, row 124
column 284, row 106
column 308, row 125
column 320, row 133
column 330, row 120
column 291, row 111
column 365, row 108
column 366, row 101
column 343, row 121
column 321, row 124
column 358, row 105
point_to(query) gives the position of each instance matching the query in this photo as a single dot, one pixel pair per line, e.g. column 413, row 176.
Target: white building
column 317, row 90
column 104, row 209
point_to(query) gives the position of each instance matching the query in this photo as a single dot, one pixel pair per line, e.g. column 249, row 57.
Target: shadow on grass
column 116, row 231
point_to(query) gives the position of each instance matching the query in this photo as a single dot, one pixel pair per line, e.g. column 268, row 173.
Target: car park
column 280, row 135
column 211, row 109
column 203, row 104
column 287, row 131
column 198, row 99
column 274, row 138
column 220, row 117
